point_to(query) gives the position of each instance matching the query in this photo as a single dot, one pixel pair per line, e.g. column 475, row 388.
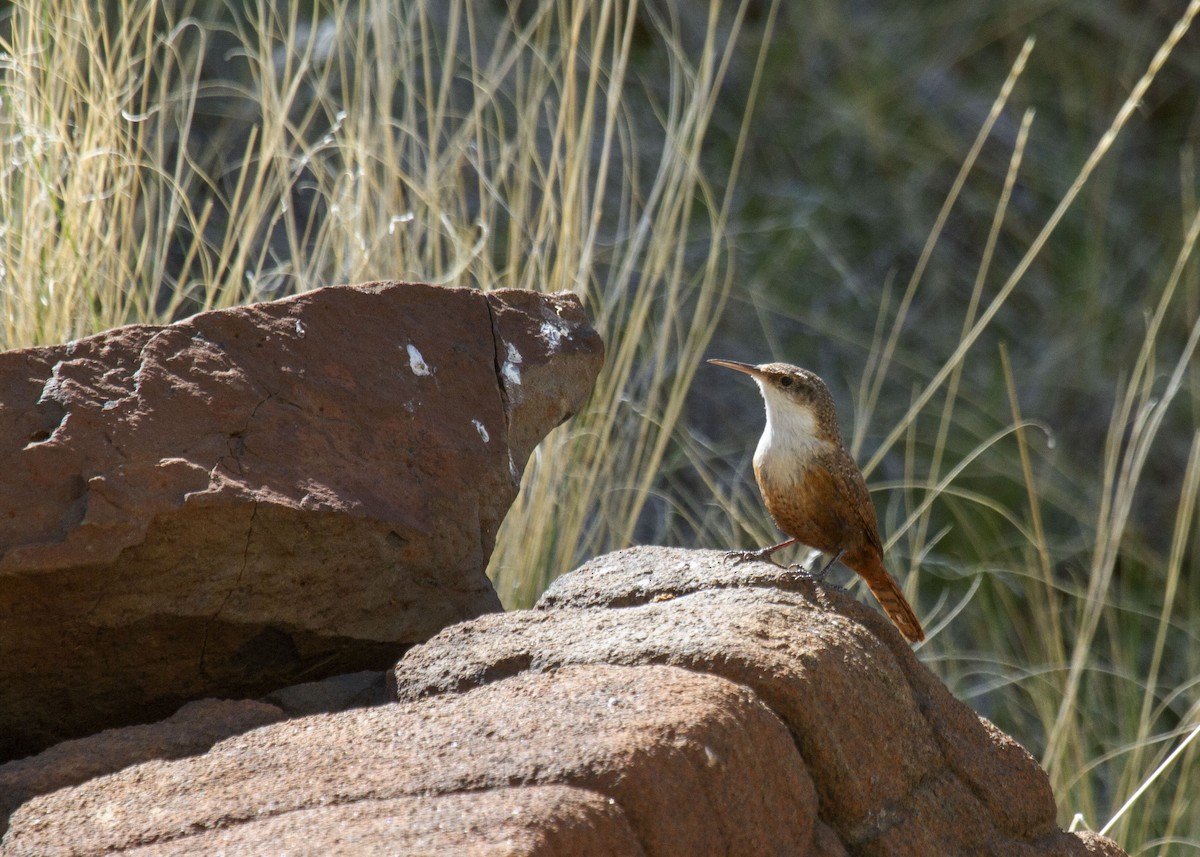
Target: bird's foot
column 818, row 576
column 761, row 555
column 807, row 573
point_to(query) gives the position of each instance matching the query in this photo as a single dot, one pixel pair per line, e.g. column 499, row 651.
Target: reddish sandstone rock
column 525, row 821
column 642, row 760
column 190, row 731
column 899, row 765
column 263, row 495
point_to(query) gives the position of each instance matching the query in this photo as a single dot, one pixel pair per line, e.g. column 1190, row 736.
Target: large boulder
column 899, row 766
column 258, row 496
column 659, row 702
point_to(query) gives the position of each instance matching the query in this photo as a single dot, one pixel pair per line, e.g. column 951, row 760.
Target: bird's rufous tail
column 891, row 599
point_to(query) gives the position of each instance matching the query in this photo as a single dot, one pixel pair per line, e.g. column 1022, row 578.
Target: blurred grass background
column 919, row 203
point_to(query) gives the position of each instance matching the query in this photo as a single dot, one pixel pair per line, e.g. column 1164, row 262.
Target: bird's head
column 798, row 402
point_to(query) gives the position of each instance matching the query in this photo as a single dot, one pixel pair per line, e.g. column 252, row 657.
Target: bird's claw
column 817, row 576
column 739, row 557
column 808, row 573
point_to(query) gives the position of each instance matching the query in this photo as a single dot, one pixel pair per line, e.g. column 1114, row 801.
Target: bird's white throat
column 791, row 435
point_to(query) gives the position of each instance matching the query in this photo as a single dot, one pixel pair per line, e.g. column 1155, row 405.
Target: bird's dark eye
column 786, row 381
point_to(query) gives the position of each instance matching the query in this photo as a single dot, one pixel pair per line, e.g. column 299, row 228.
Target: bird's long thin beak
column 747, row 368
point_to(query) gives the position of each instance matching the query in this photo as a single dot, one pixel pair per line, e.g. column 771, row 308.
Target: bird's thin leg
column 819, row 576
column 763, row 554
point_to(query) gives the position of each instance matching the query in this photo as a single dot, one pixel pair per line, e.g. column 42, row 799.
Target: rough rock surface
column 336, row 693
column 663, row 761
column 263, row 495
column 900, row 766
column 488, row 823
column 190, row 731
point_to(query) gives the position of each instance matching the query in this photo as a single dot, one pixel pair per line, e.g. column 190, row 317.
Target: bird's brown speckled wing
column 849, row 483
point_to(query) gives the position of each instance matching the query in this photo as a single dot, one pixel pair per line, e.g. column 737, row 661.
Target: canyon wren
column 812, row 487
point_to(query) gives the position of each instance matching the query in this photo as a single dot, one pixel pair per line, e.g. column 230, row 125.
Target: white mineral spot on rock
column 554, row 334
column 512, row 375
column 482, row 429
column 52, row 388
column 416, row 362
column 300, row 328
